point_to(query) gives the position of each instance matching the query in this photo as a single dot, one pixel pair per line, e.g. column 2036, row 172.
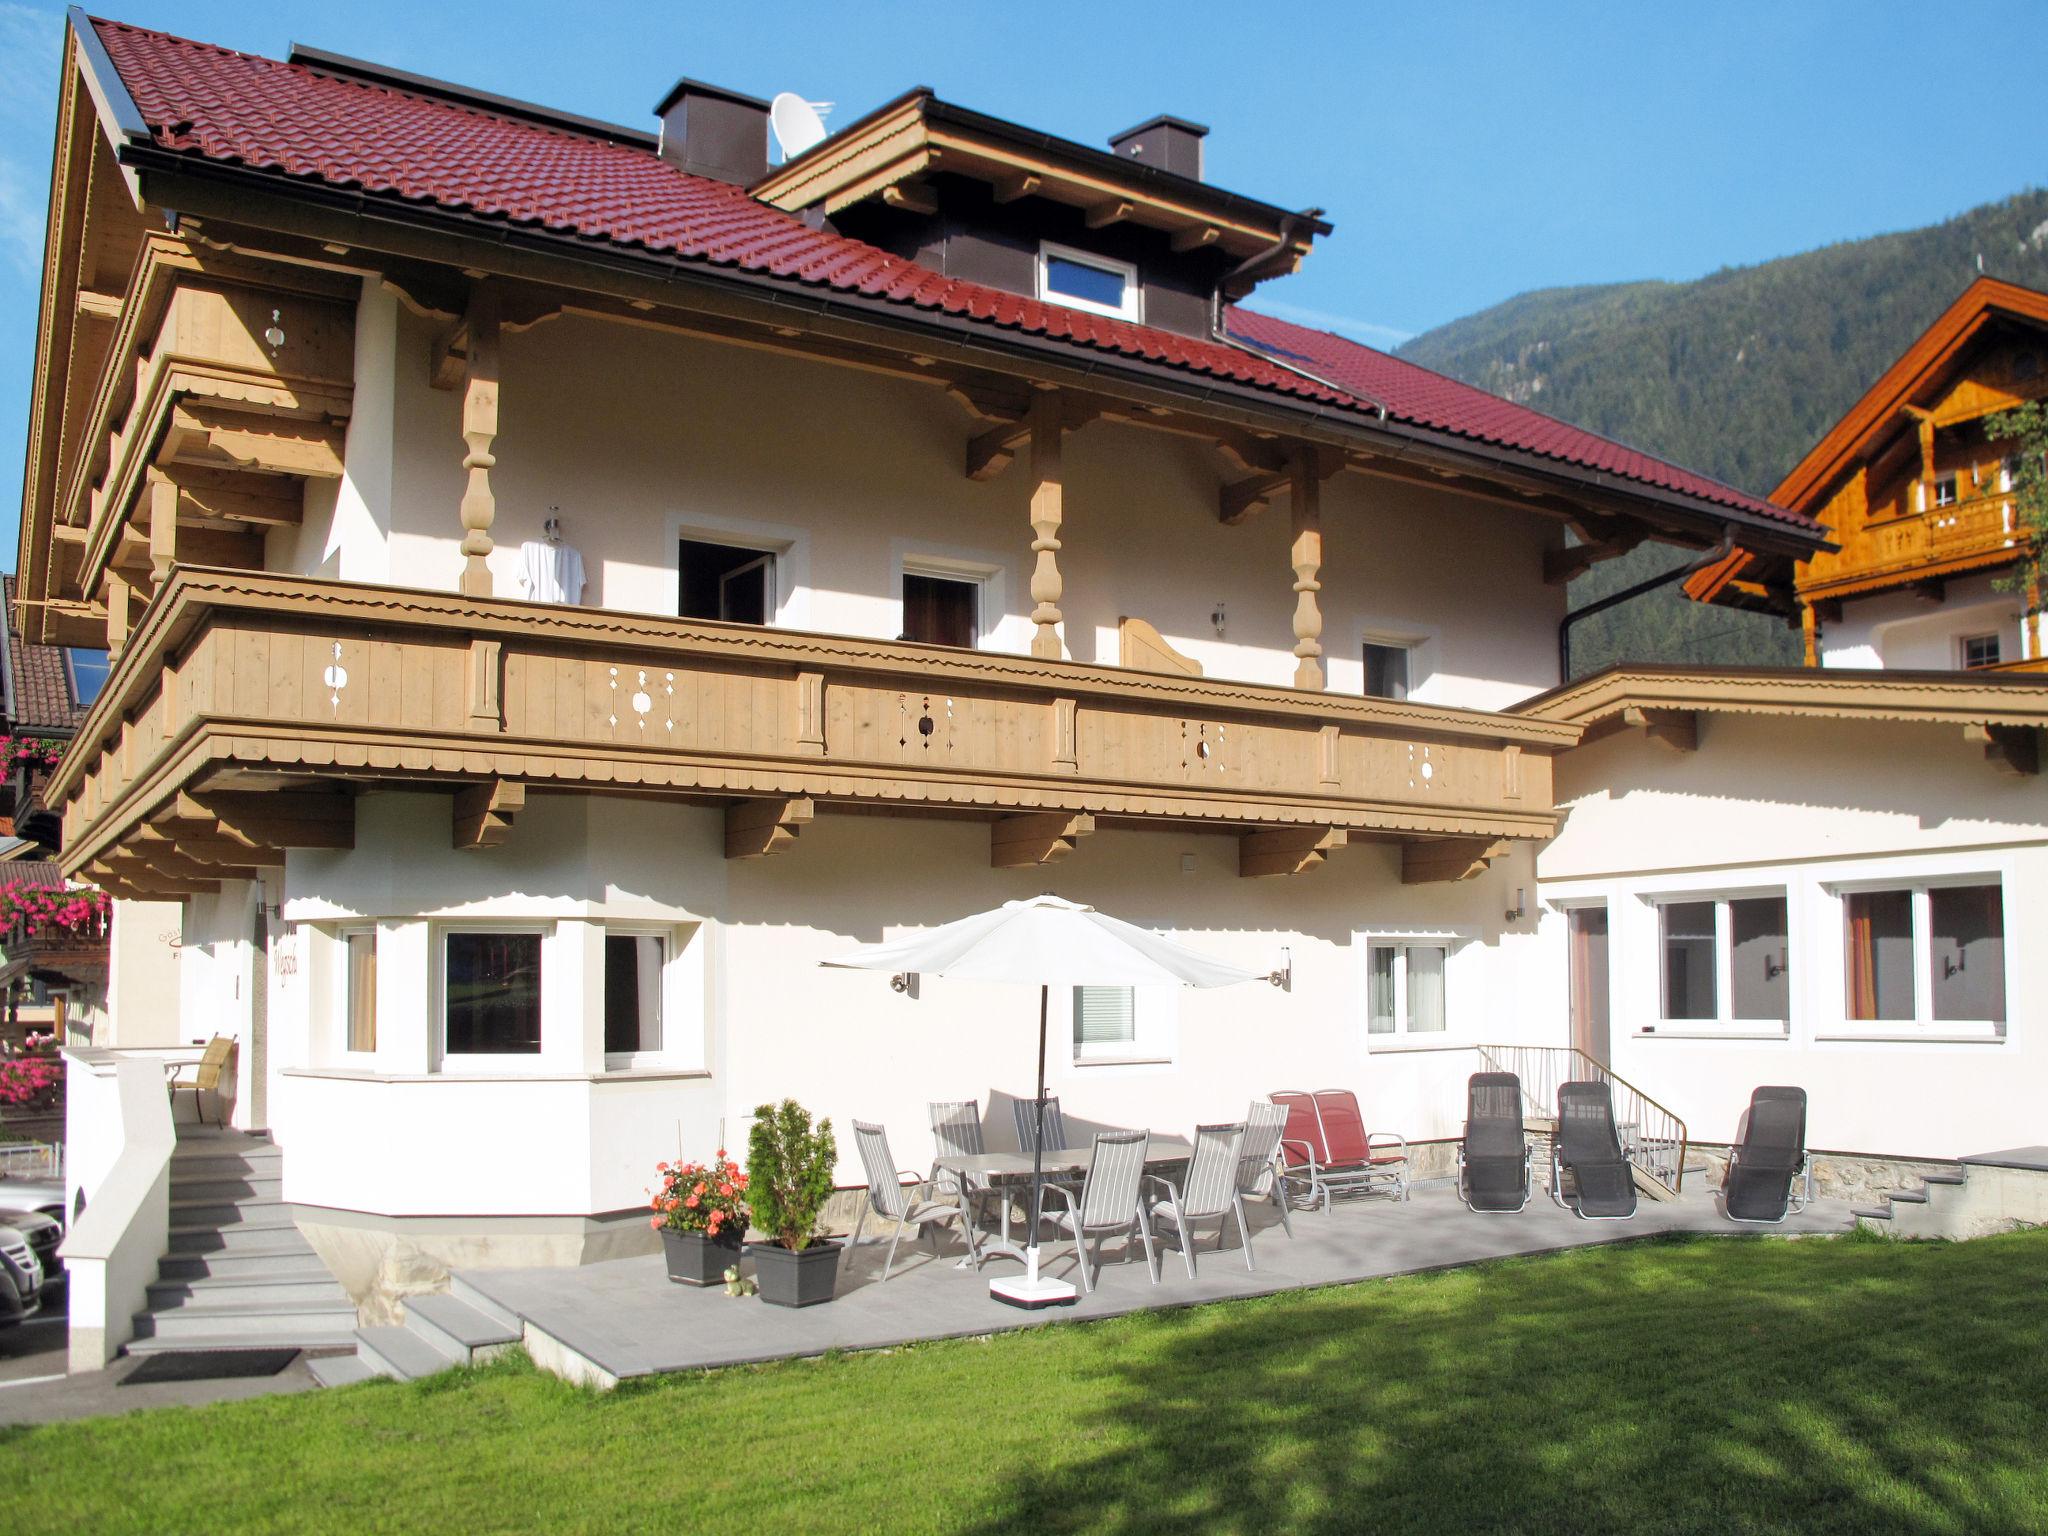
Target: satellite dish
column 796, row 123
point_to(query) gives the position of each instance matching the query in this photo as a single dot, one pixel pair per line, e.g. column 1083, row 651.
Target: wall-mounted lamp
column 1515, row 913
column 1220, row 618
column 1284, row 977
column 906, row 983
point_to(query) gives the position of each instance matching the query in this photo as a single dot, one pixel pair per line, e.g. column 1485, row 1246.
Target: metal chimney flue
column 710, row 131
column 1171, row 143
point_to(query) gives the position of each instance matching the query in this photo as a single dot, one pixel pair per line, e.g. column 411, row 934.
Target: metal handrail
column 1653, row 1137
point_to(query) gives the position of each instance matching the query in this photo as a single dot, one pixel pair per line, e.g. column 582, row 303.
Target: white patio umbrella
column 1045, row 942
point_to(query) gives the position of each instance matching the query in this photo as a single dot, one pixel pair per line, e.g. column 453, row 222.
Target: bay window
column 490, row 993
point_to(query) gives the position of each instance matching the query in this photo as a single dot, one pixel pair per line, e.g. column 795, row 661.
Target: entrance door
column 1589, row 981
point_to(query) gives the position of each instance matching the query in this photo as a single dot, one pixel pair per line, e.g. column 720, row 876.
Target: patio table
column 1009, row 1168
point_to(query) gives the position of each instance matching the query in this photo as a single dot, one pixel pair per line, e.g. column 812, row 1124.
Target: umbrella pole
column 1031, row 1291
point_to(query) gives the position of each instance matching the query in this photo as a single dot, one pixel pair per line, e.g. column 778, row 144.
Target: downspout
column 1289, row 223
column 1718, row 553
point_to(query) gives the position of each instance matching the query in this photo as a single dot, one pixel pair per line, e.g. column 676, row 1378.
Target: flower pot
column 800, row 1279
column 694, row 1259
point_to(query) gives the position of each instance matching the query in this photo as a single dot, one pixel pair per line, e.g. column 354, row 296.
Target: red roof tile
column 243, row 109
column 39, row 685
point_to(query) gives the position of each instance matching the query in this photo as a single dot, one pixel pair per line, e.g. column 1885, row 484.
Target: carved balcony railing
column 1975, row 532
column 240, row 684
column 69, row 951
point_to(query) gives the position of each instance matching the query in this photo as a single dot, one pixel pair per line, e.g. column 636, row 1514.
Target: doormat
column 209, row 1365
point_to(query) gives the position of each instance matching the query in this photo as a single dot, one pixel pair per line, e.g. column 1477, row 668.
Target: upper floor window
column 941, row 610
column 1386, row 670
column 1726, row 961
column 1926, row 954
column 724, row 581
column 1081, row 280
column 87, row 673
column 1943, row 492
column 1979, row 650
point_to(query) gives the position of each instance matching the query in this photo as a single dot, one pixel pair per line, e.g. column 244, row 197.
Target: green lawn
column 1721, row 1386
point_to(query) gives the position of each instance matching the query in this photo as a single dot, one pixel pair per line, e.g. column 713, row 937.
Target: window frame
column 484, row 1063
column 106, row 673
column 1954, row 481
column 931, row 568
column 1155, row 1018
column 1131, row 309
column 1724, row 1022
column 1964, row 642
column 1407, row 650
column 344, row 977
column 1923, row 1026
column 1455, row 1035
column 667, row 993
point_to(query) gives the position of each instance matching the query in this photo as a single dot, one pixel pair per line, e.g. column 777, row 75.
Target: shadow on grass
column 1674, row 1387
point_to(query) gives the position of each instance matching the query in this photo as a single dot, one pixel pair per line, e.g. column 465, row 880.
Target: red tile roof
column 37, row 681
column 243, row 109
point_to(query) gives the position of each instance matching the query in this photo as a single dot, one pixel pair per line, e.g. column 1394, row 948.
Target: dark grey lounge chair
column 1494, row 1157
column 1771, row 1158
column 1587, row 1144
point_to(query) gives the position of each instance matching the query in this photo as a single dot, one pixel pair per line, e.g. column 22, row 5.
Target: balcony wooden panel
column 1970, row 534
column 244, row 678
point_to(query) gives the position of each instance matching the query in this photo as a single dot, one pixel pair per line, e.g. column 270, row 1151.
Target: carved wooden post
column 479, row 431
column 1306, row 555
column 1809, row 630
column 118, row 613
column 2031, row 620
column 1047, row 495
column 163, row 526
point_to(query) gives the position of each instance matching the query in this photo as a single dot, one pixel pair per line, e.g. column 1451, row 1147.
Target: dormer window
column 1082, row 280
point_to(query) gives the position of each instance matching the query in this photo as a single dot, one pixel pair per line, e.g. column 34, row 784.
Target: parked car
column 36, row 1208
column 21, row 1276
column 32, row 1194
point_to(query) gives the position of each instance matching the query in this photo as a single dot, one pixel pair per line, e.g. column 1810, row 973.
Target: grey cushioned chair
column 1108, row 1203
column 1589, row 1146
column 1208, row 1192
column 1770, row 1172
column 896, row 1202
column 1258, row 1169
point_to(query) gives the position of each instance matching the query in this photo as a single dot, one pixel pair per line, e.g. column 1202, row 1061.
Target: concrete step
column 276, row 1260
column 251, row 1290
column 217, row 1213
column 1872, row 1213
column 256, row 1154
column 250, row 1327
column 236, row 1189
column 458, row 1329
column 1942, row 1178
column 194, row 1343
column 339, row 1370
column 401, row 1354
column 264, row 1229
column 466, row 1291
column 1907, row 1197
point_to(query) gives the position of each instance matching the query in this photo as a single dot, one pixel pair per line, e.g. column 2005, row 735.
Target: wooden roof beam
column 1111, row 211
column 1024, row 842
column 912, row 197
column 1240, row 499
column 1286, row 850
column 754, row 829
column 1448, row 859
column 1022, row 184
column 2012, row 749
column 484, row 812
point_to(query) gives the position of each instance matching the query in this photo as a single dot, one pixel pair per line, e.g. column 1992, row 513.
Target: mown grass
column 1703, row 1385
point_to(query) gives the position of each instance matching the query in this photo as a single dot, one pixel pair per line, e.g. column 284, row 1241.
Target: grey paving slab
column 628, row 1319
column 2032, row 1159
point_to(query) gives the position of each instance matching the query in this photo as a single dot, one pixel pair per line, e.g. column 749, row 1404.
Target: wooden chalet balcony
column 1976, row 532
column 75, row 953
column 248, row 707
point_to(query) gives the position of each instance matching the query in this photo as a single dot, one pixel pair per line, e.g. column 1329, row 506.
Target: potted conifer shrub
column 700, row 1210
column 789, row 1179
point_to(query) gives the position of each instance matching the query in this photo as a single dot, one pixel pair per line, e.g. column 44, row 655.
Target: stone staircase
column 1991, row 1192
column 239, row 1274
column 459, row 1327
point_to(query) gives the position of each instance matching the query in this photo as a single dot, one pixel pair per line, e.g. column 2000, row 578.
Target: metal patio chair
column 1108, row 1203
column 217, row 1060
column 896, row 1202
column 1027, row 1124
column 1207, row 1192
column 1327, row 1150
column 1770, row 1172
column 1258, row 1168
column 1587, row 1144
column 956, row 1132
column 1494, row 1159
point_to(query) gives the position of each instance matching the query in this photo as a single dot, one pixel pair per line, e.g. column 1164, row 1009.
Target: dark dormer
column 1131, row 232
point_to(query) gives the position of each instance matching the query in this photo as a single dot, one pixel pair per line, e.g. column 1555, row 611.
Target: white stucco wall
column 1899, row 630
column 142, row 975
column 635, row 438
column 560, row 1136
column 1809, row 807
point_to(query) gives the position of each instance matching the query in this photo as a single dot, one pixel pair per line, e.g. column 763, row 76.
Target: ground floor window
column 491, row 993
column 1926, row 954
column 633, row 967
column 1726, row 960
column 359, row 983
column 1122, row 1024
column 1405, row 988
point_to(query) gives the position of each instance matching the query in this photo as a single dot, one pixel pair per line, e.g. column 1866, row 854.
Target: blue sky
column 1466, row 152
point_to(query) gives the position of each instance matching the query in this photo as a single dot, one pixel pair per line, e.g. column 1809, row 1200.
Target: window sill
column 366, row 1075
column 1730, row 1033
column 1397, row 1045
column 1123, row 1061
column 1906, row 1037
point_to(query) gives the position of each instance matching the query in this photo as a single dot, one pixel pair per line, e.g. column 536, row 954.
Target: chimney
column 1171, row 143
column 710, row 131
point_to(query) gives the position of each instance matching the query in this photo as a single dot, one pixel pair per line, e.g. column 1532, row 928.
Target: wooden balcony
column 250, row 706
column 56, row 953
column 1972, row 534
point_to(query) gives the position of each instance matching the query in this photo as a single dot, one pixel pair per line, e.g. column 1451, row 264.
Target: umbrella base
column 1023, row 1291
